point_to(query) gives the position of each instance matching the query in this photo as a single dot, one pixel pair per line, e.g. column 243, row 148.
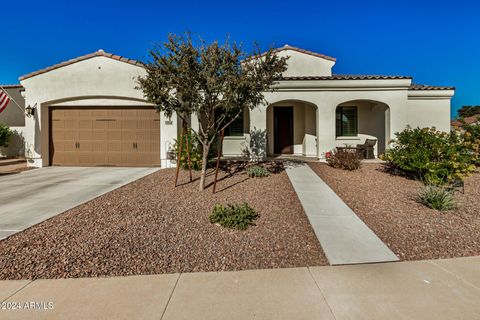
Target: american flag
column 4, row 100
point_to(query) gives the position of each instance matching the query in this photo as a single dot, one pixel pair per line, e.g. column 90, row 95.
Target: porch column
column 194, row 124
column 325, row 128
column 168, row 133
column 258, row 129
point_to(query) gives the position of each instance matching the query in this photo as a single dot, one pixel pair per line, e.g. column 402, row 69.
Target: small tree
column 214, row 82
column 468, row 111
column 5, row 134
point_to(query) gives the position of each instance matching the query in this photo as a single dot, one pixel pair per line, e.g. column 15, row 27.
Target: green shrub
column 471, row 135
column 196, row 151
column 236, row 216
column 438, row 198
column 434, row 157
column 257, row 172
column 345, row 160
column 5, row 134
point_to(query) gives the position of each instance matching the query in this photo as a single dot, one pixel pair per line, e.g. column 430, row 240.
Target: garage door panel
column 71, row 123
column 99, row 135
column 129, row 113
column 114, row 113
column 85, row 124
column 143, row 135
column 68, row 146
column 70, row 135
column 70, row 158
column 58, row 134
column 114, row 124
column 57, row 124
column 114, row 135
column 129, row 135
column 86, row 158
column 100, row 123
column 85, row 146
column 99, row 147
column 114, row 159
column 128, row 158
column 123, row 136
column 85, row 135
column 129, row 124
column 128, row 147
column 114, row 147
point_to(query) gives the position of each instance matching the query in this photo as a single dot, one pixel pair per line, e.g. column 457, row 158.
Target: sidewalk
column 344, row 237
column 437, row 289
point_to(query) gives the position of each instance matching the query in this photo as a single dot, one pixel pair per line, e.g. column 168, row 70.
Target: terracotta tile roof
column 11, row 86
column 311, row 53
column 425, row 87
column 346, row 77
column 99, row 53
column 287, row 47
column 468, row 120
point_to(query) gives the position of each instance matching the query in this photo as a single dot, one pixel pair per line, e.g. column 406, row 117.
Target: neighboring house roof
column 468, row 120
column 99, row 53
column 426, row 87
column 7, row 86
column 346, row 77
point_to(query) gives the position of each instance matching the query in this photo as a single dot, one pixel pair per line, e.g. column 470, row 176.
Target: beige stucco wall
column 104, row 81
column 96, row 81
column 429, row 108
column 300, row 64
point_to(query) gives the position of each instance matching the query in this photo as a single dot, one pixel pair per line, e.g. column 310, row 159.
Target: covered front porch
column 359, row 120
column 292, row 128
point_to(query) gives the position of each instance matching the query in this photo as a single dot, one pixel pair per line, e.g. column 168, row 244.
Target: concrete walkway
column 345, row 239
column 31, row 197
column 437, row 289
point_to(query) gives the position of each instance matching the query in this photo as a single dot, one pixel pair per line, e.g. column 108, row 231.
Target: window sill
column 348, row 138
column 234, row 138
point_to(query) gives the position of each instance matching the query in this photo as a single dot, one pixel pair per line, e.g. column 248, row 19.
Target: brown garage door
column 102, row 136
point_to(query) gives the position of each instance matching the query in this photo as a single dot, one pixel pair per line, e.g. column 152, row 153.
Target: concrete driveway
column 33, row 196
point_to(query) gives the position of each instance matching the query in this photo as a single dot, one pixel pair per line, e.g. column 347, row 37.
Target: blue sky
column 436, row 43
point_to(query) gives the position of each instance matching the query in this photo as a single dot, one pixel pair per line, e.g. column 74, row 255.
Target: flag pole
column 3, row 89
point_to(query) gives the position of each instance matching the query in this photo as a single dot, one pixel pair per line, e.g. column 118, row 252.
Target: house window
column 346, row 121
column 236, row 127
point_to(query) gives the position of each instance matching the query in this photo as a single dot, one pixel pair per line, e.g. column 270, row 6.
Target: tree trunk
column 206, row 148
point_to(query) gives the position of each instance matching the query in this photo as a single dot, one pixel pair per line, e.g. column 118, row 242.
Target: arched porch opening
column 292, row 128
column 358, row 120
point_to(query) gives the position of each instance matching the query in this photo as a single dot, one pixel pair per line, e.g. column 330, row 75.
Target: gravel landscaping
column 386, row 203
column 148, row 227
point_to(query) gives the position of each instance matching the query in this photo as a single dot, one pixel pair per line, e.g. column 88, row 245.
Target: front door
column 283, row 130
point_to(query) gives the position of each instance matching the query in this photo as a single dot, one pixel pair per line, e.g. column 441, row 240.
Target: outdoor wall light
column 30, row 111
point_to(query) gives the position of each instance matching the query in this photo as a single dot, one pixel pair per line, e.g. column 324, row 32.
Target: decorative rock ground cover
column 386, row 203
column 147, row 227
